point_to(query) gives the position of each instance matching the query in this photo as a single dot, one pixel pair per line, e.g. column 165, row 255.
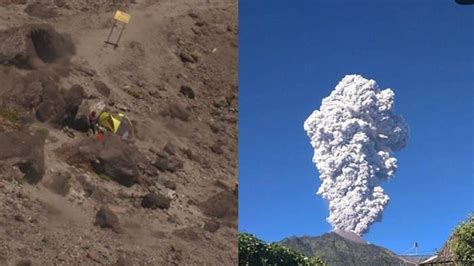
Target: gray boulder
column 111, row 157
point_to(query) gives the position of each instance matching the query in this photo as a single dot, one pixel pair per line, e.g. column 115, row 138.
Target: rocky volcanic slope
column 168, row 196
column 334, row 249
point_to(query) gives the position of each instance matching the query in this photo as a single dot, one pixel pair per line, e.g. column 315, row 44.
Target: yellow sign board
column 122, row 16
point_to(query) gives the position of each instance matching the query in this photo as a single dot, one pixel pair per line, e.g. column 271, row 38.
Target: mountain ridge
column 335, row 249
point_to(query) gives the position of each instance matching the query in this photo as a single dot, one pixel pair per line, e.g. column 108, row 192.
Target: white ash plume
column 354, row 135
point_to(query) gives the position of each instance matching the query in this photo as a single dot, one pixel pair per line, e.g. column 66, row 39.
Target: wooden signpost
column 122, row 18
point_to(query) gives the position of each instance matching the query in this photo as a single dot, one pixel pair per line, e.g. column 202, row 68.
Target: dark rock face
column 80, row 119
column 21, row 46
column 111, row 157
column 73, row 97
column 20, row 92
column 154, row 200
column 337, row 250
column 106, row 218
column 31, row 95
column 52, row 107
column 26, row 151
column 77, row 111
column 61, row 107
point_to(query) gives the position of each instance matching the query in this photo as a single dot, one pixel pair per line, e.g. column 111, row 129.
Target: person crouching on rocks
column 93, row 121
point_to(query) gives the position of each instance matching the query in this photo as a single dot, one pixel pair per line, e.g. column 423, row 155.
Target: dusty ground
column 174, row 75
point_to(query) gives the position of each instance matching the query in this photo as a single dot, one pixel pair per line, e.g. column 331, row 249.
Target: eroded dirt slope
column 166, row 196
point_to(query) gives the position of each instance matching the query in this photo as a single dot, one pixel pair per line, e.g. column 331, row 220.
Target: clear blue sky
column 293, row 53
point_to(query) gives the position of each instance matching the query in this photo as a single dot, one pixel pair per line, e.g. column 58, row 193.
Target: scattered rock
column 140, row 83
column 24, row 262
column 154, row 200
column 174, row 219
column 59, row 183
column 102, row 88
column 220, row 184
column 154, row 94
column 211, row 225
column 24, row 150
column 40, row 10
column 177, row 110
column 195, row 55
column 193, row 15
column 14, row 2
column 111, row 102
column 214, row 128
column 69, row 132
column 231, row 119
column 19, row 218
column 196, row 31
column 169, row 184
column 187, row 91
column 167, row 163
column 85, row 70
column 189, row 233
column 220, row 205
column 191, row 155
column 200, row 23
column 221, row 102
column 122, row 107
column 94, row 192
column 123, row 261
column 217, row 149
column 94, row 255
column 106, row 218
column 60, row 3
column 170, row 148
column 186, row 57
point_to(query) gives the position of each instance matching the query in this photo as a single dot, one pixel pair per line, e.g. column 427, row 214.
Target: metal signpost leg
column 120, row 36
column 111, row 31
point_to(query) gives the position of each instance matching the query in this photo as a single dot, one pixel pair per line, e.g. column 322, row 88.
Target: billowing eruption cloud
column 354, row 135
